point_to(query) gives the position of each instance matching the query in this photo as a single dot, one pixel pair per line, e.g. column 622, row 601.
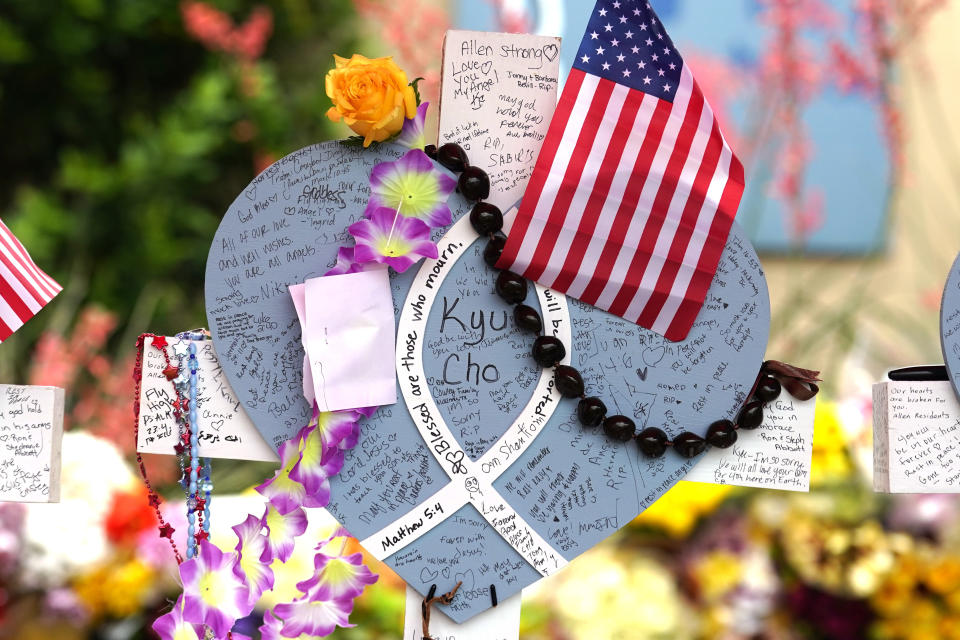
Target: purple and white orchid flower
column 318, row 613
column 251, row 545
column 282, row 529
column 414, row 186
column 413, row 135
column 345, row 263
column 345, row 576
column 392, row 239
column 213, row 594
column 172, row 626
column 282, row 492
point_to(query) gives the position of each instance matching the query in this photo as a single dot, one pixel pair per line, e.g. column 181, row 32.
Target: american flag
column 635, row 188
column 24, row 288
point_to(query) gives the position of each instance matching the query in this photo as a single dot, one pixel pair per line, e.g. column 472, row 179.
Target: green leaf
column 352, row 141
column 416, row 89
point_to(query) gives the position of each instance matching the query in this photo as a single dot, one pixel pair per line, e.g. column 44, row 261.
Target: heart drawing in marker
column 467, row 578
column 251, row 193
column 486, row 66
column 427, row 575
column 446, row 573
column 551, row 51
column 653, row 355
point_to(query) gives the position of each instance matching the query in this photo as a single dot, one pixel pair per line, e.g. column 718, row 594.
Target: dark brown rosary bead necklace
column 549, row 351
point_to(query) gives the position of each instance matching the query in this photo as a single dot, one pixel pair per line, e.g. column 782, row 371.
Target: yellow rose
column 371, row 96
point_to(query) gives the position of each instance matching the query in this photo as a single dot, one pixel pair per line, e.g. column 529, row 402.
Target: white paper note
column 776, row 455
column 916, row 437
column 225, row 429
column 31, row 429
column 349, row 339
column 298, row 292
column 498, row 623
column 498, row 93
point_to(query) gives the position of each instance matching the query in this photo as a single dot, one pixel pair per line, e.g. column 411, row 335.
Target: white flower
column 66, row 538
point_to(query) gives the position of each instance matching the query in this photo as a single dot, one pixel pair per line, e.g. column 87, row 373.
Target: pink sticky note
column 299, row 294
column 349, row 339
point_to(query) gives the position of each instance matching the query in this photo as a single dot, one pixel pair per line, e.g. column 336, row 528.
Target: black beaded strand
column 549, row 351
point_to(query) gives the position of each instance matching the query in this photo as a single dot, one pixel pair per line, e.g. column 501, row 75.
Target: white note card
column 501, row 622
column 498, row 94
column 225, row 429
column 916, row 437
column 31, row 430
column 349, row 339
column 776, row 455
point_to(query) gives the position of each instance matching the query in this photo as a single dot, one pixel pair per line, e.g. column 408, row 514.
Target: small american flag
column 24, row 288
column 633, row 194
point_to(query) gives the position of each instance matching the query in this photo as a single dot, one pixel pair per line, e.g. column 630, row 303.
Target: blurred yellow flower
column 118, row 589
column 943, row 576
column 717, row 573
column 831, row 458
column 610, row 595
column 680, row 508
column 920, row 597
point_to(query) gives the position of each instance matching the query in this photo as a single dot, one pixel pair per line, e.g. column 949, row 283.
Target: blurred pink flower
column 405, row 27
column 215, row 30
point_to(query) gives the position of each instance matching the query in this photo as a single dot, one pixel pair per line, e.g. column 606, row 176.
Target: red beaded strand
column 166, row 531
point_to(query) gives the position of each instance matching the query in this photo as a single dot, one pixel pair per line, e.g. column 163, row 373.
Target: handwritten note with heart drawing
column 499, row 91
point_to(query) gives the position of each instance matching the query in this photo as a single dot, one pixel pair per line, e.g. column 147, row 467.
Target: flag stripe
column 689, row 241
column 598, row 152
column 609, row 187
column 16, row 296
column 13, row 247
column 632, row 198
column 573, row 175
column 26, row 271
column 655, row 279
column 623, row 183
column 647, row 218
column 732, row 192
column 699, row 241
column 22, row 284
column 624, row 216
column 24, row 288
column 546, row 156
column 564, row 152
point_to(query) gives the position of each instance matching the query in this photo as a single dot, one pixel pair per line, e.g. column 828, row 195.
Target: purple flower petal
column 212, row 593
column 284, row 493
column 390, row 239
column 271, row 628
column 345, row 263
column 252, row 543
column 414, row 186
column 172, row 626
column 318, row 614
column 343, row 576
column 412, row 135
column 282, row 530
column 317, row 464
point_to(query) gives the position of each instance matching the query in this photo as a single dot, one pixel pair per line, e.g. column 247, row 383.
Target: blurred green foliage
column 126, row 140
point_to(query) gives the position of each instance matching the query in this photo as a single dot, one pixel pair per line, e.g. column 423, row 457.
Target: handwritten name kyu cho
column 777, row 455
column 225, row 429
column 31, row 430
column 498, row 93
column 916, row 437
